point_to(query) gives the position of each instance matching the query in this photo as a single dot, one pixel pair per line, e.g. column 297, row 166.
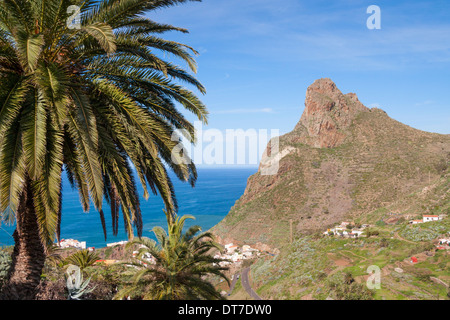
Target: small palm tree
column 179, row 267
column 82, row 258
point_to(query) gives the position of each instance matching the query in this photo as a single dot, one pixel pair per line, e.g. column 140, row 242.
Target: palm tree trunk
column 29, row 255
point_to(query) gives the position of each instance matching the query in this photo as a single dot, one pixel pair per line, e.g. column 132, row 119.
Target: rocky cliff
column 328, row 114
column 341, row 161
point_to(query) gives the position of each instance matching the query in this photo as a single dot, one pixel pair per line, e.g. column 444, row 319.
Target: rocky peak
column 328, row 112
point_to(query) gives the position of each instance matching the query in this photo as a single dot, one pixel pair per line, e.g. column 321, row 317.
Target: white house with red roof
column 428, row 218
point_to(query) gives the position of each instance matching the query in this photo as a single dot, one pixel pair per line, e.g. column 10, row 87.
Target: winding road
column 246, row 284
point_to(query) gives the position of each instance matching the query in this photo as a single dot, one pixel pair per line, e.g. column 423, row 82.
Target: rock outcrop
column 341, row 161
column 328, row 114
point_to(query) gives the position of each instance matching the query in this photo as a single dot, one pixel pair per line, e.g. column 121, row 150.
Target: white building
column 72, row 243
column 427, row 218
column 230, row 248
column 116, row 243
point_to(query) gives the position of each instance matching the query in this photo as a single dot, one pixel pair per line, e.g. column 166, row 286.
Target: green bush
column 441, row 166
column 82, row 259
column 428, row 246
column 343, row 288
column 5, row 264
column 370, row 233
column 384, row 243
column 380, row 223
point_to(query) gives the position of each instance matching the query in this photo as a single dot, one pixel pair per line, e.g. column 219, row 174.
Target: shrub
column 428, row 246
column 75, row 285
column 370, row 233
column 348, row 278
column 343, row 287
column 441, row 166
column 82, row 259
column 380, row 223
column 5, row 263
column 384, row 243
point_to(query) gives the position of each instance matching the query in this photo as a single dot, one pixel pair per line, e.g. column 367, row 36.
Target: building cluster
column 71, row 243
column 146, row 258
column 427, row 218
column 233, row 254
column 347, row 230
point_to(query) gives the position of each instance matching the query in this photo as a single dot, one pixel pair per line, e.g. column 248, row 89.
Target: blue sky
column 257, row 58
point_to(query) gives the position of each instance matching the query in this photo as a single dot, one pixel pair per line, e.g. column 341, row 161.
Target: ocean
column 209, row 202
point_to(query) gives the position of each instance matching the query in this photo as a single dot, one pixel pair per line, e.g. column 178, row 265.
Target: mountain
column 342, row 161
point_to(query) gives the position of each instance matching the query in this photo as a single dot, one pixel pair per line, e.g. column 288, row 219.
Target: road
column 246, row 284
column 233, row 283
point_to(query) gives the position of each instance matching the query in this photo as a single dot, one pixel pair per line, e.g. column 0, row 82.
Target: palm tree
column 94, row 100
column 179, row 267
column 82, row 258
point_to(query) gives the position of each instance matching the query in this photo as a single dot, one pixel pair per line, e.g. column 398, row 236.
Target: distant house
column 116, row 243
column 358, row 232
column 416, row 221
column 427, row 218
column 343, row 231
column 67, row 243
column 232, row 249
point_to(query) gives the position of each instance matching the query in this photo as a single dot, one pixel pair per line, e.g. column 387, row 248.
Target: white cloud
column 243, row 110
column 424, row 103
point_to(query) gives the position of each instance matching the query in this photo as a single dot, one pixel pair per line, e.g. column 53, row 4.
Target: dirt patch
column 339, row 261
column 307, row 297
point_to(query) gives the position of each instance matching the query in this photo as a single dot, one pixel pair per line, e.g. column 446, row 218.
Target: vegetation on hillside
column 315, row 266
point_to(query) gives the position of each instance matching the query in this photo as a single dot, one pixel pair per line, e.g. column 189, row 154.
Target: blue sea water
column 209, row 202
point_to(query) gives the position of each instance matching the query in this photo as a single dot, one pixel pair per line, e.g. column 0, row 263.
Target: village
column 233, row 254
column 347, row 229
column 350, row 230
